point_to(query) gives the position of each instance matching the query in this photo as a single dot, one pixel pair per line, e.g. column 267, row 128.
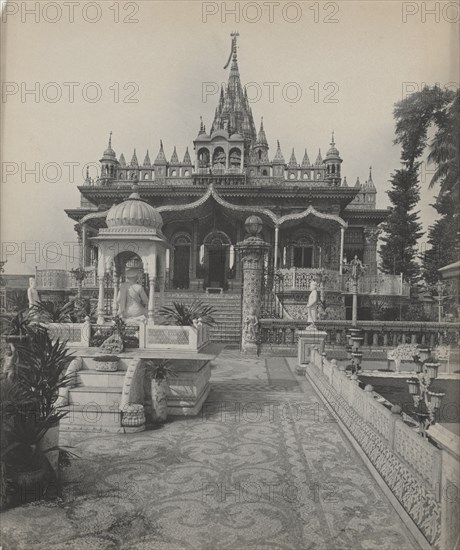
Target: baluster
column 423, row 339
column 432, row 340
column 375, row 339
column 413, row 338
column 385, row 339
column 395, row 339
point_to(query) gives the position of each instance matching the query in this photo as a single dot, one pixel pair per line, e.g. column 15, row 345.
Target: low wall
column 418, row 472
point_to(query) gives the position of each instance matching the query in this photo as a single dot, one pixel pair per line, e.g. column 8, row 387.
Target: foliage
column 83, row 307
column 159, row 370
column 17, row 300
column 52, row 312
column 402, row 229
column 184, row 315
column 42, row 364
column 436, row 108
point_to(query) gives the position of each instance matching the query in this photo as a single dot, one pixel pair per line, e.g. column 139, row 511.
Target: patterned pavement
column 263, row 467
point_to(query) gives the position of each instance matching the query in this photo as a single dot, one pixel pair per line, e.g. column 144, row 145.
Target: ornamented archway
column 180, row 260
column 216, row 259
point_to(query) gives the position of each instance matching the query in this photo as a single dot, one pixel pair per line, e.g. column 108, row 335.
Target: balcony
column 381, row 284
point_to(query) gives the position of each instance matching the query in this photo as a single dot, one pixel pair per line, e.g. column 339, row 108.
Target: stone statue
column 32, row 293
column 251, row 327
column 132, row 299
column 312, row 304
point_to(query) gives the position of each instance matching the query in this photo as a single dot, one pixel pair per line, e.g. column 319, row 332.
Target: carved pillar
column 152, row 278
column 275, row 260
column 100, row 299
column 371, row 236
column 342, row 240
column 252, row 251
column 116, row 280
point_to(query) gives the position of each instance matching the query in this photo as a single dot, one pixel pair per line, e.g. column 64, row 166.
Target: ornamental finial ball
column 253, row 226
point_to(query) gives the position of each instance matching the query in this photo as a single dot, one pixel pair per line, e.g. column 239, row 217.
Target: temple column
column 83, row 241
column 237, row 263
column 100, row 275
column 371, row 236
column 342, row 242
column 194, row 252
column 252, row 251
column 152, row 277
column 116, row 289
column 275, row 260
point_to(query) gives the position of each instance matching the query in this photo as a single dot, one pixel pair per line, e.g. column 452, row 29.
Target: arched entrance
column 181, row 260
column 216, row 259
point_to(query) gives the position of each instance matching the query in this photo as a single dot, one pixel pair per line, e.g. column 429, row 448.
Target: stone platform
column 95, row 401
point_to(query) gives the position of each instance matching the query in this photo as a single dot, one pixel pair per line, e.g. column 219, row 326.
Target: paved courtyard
column 263, row 467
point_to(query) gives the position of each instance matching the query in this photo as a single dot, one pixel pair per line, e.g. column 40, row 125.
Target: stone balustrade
column 421, row 475
column 381, row 284
column 377, row 334
column 53, row 279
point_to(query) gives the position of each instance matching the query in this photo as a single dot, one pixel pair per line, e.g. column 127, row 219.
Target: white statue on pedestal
column 132, row 299
column 312, row 303
column 32, row 293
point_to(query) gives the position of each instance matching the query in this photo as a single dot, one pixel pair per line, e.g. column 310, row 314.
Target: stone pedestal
column 309, row 339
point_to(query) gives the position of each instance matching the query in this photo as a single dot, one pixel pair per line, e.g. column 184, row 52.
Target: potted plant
column 53, row 312
column 42, row 365
column 106, row 363
column 184, row 315
column 158, row 371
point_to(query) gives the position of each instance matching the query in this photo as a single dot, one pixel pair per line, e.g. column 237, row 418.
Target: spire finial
column 370, row 173
column 233, row 54
column 332, row 142
column 110, row 139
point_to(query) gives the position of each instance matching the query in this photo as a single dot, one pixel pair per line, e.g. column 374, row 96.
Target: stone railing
column 382, row 284
column 296, row 278
column 90, row 281
column 52, row 279
column 419, row 475
column 377, row 334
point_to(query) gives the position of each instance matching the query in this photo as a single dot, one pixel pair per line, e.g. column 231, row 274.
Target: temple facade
column 313, row 220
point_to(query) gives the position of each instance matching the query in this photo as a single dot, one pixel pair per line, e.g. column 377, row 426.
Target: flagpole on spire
column 233, row 54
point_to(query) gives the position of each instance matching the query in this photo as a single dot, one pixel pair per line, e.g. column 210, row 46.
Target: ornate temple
column 313, row 219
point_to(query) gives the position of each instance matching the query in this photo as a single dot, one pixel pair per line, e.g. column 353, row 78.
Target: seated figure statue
column 132, row 299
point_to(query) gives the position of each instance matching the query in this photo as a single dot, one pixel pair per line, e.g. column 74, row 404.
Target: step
column 96, row 378
column 87, row 418
column 99, row 396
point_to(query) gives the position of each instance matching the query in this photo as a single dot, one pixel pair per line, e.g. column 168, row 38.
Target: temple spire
column 161, row 158
column 278, row 158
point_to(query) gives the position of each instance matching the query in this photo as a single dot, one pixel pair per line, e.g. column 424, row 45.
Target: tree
column 415, row 115
column 402, row 228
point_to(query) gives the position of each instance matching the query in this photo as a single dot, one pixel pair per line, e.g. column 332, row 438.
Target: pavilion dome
column 134, row 212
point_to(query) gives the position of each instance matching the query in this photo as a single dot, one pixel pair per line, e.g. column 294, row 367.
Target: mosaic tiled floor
column 263, row 467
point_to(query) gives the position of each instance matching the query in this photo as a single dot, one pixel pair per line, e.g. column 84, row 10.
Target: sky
column 148, row 70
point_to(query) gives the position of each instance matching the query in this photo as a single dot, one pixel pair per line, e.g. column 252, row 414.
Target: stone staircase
column 228, row 313
column 94, row 401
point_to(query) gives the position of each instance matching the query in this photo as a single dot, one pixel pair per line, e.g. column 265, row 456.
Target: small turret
column 305, row 160
column 160, row 163
column 109, row 163
column 122, row 161
column 319, row 159
column 292, row 166
column 333, row 162
column 147, row 163
column 187, row 165
column 134, row 162
column 278, row 162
